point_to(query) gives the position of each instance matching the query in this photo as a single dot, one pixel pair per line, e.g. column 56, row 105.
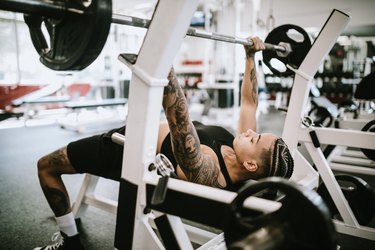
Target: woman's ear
column 251, row 166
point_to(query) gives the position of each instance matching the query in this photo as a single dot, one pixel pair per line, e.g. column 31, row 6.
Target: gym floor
column 26, row 220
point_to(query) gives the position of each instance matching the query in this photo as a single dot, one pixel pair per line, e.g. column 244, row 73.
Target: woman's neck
column 234, row 168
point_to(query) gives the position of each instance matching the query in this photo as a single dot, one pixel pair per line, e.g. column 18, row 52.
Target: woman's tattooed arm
column 197, row 167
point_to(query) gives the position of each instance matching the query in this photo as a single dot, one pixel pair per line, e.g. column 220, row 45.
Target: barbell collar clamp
column 276, row 47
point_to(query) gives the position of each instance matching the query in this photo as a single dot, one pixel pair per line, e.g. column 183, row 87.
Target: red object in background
column 8, row 93
column 192, row 62
column 78, row 88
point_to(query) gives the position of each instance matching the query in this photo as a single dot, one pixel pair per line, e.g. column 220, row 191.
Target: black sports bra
column 211, row 136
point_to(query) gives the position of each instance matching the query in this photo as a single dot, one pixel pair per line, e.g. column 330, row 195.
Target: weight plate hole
column 278, row 65
column 86, row 3
column 295, row 35
column 47, row 37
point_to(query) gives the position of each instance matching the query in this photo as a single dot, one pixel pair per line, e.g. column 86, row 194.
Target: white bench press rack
column 294, row 132
column 134, row 226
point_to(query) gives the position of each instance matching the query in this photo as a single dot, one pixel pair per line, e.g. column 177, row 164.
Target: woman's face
column 249, row 145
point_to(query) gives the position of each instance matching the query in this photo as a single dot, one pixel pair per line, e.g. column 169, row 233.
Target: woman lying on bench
column 209, row 155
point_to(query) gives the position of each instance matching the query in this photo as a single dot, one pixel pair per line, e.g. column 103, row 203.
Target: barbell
column 78, row 30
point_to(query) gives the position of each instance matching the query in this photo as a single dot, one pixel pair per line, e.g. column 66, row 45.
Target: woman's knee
column 44, row 164
column 55, row 163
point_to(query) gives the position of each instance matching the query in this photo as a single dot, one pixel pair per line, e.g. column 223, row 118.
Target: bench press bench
column 187, row 213
column 213, row 204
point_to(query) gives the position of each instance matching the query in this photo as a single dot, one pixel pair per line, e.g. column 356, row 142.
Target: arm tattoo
column 254, row 91
column 197, row 167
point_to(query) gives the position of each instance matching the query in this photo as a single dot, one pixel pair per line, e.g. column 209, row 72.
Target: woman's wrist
column 249, row 57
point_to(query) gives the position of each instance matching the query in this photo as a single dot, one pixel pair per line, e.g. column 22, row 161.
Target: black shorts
column 97, row 155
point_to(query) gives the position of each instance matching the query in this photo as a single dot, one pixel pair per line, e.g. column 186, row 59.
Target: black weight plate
column 321, row 117
column 358, row 193
column 303, row 217
column 370, row 127
column 299, row 48
column 75, row 40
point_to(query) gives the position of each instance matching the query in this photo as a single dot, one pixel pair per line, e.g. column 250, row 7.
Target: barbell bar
column 78, row 31
column 288, row 51
column 144, row 23
column 57, row 9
